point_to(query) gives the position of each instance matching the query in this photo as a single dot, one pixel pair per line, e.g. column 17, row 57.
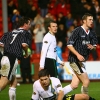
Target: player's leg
column 80, row 71
column 84, row 78
column 13, row 83
column 82, row 97
column 12, row 89
column 74, row 84
column 5, row 68
column 3, row 82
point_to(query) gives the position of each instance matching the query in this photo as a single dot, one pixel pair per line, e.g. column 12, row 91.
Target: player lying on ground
column 50, row 88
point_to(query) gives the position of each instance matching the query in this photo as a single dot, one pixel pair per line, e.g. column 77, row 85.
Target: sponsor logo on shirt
column 45, row 41
column 85, row 42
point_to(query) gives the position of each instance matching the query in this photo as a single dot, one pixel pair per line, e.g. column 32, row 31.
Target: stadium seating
column 35, row 58
column 1, row 19
column 98, row 51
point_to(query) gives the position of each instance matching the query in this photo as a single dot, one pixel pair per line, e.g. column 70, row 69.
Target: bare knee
column 75, row 82
column 74, row 85
column 2, row 86
column 3, row 82
column 85, row 97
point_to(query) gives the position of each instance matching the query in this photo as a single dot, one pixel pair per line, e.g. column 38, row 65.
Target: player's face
column 27, row 26
column 45, row 81
column 53, row 28
column 89, row 22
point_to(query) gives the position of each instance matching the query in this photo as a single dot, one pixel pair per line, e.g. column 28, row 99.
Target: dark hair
column 43, row 73
column 86, row 15
column 23, row 20
column 51, row 22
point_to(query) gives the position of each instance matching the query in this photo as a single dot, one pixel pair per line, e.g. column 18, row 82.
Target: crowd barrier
column 92, row 68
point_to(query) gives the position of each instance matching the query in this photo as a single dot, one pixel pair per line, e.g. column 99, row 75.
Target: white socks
column 84, row 90
column 67, row 89
column 12, row 93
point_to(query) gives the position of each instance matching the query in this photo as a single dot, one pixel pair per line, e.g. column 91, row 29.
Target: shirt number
column 14, row 36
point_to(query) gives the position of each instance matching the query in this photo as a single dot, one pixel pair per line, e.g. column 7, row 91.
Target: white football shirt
column 49, row 49
column 53, row 89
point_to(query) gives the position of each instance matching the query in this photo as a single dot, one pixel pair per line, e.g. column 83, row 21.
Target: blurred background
column 67, row 14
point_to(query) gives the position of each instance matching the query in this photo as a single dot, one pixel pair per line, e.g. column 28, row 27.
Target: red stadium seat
column 1, row 33
column 1, row 19
column 90, row 57
column 98, row 51
column 35, row 58
column 65, row 56
column 0, row 12
column 0, row 4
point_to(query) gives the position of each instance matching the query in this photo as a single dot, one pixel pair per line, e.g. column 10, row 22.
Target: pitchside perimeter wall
column 92, row 68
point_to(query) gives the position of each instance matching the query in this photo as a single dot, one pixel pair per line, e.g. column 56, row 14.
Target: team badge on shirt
column 34, row 93
column 58, row 85
column 45, row 41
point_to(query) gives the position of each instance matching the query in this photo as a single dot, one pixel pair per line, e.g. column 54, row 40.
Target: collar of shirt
column 87, row 31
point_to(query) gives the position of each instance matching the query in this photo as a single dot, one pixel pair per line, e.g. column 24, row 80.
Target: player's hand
column 26, row 55
column 89, row 46
column 2, row 45
column 80, row 57
column 62, row 64
column 40, row 68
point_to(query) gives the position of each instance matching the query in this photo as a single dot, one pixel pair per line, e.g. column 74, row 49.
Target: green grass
column 24, row 91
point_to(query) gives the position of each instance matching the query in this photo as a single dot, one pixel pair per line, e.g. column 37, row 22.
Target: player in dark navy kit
column 13, row 43
column 82, row 40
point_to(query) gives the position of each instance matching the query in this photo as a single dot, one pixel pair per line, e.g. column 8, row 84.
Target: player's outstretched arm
column 60, row 95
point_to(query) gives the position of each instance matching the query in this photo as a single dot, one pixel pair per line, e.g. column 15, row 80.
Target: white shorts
column 7, row 69
column 78, row 67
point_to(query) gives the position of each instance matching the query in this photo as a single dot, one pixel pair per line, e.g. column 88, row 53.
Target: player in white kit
column 50, row 88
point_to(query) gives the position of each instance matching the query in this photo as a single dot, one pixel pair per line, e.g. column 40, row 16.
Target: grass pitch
column 24, row 91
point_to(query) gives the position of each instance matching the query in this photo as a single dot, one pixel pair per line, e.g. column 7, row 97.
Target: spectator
column 32, row 12
column 69, row 20
column 69, row 32
column 15, row 24
column 61, row 19
column 25, row 66
column 38, row 36
column 98, row 27
column 61, row 7
column 53, row 7
column 11, row 6
column 16, row 13
column 60, row 67
column 61, row 36
column 43, row 6
column 38, row 20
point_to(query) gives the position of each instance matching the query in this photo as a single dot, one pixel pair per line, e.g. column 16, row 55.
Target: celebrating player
column 13, row 43
column 82, row 40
